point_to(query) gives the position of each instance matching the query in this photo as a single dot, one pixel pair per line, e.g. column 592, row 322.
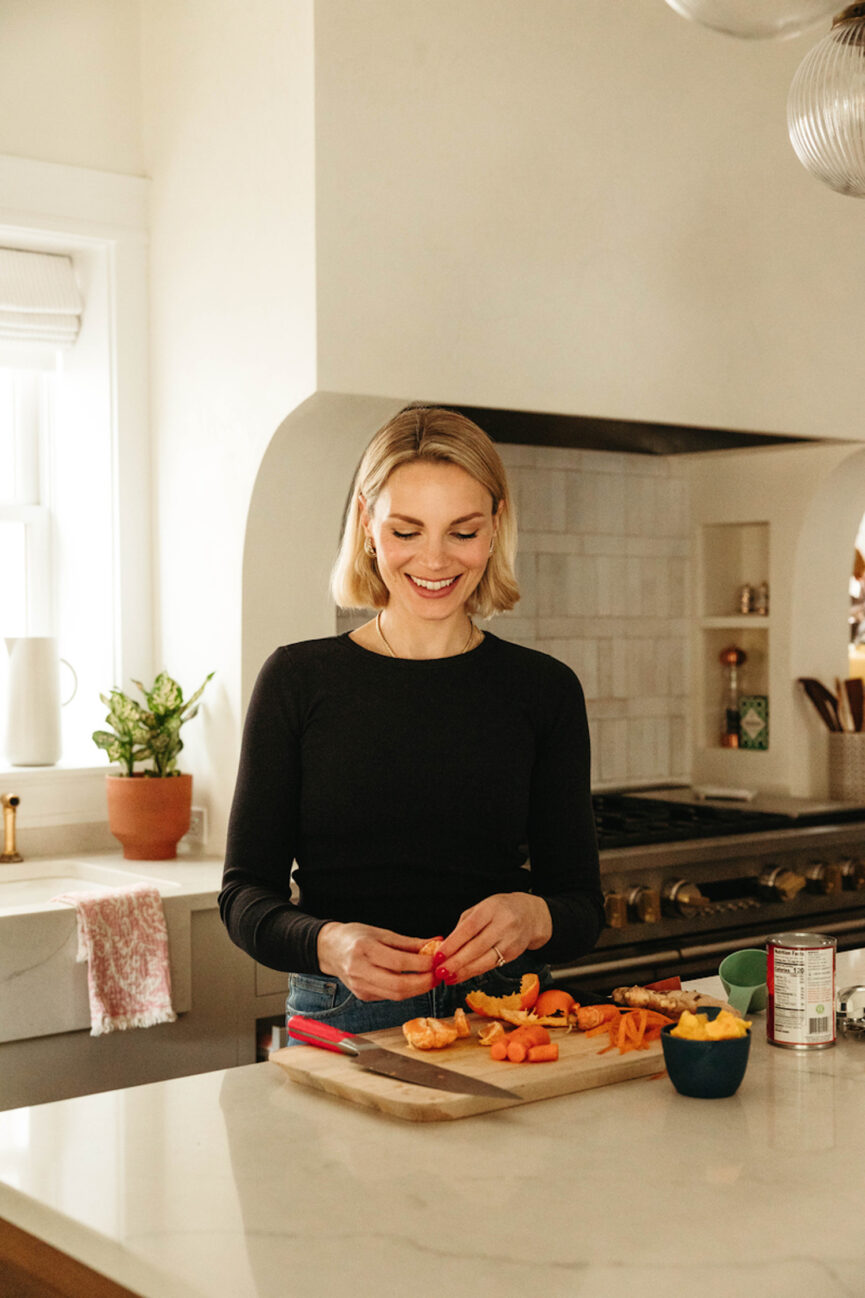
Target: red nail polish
column 438, row 959
column 449, row 978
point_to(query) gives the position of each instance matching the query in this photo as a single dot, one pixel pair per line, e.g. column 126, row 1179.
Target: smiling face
column 432, row 526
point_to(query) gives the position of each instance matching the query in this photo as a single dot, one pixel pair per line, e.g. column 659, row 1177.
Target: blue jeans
column 322, row 997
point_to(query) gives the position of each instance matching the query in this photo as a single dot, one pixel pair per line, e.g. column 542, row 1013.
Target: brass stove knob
column 853, row 875
column 823, row 877
column 781, row 883
column 682, row 897
column 615, row 909
column 644, row 904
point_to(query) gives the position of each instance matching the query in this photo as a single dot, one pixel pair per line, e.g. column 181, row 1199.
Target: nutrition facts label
column 802, row 982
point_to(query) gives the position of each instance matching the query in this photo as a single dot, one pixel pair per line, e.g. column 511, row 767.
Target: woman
column 426, row 777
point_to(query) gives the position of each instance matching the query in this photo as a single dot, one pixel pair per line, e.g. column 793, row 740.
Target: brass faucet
column 9, row 802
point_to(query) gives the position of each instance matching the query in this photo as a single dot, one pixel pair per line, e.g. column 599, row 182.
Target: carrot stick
column 517, row 1051
column 541, row 1054
column 499, row 1049
column 602, row 1030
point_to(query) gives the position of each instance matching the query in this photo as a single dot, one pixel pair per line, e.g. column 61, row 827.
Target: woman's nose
column 435, row 553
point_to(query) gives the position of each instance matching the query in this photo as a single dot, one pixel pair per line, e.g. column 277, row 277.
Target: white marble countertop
column 197, row 878
column 241, row 1183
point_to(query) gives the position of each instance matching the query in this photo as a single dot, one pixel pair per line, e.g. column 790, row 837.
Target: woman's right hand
column 374, row 964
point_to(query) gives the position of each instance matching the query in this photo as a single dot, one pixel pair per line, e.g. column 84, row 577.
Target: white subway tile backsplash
column 582, row 584
column 552, row 542
column 612, row 578
column 516, row 456
column 610, row 755
column 540, row 499
column 559, row 457
column 605, row 572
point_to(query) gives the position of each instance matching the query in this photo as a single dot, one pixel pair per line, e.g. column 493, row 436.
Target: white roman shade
column 39, row 298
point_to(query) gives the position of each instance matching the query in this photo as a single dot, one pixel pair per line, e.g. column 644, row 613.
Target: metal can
column 800, row 976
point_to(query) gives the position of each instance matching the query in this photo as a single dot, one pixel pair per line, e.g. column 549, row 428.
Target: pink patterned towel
column 122, row 936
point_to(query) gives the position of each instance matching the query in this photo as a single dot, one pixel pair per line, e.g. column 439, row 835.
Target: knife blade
column 376, row 1059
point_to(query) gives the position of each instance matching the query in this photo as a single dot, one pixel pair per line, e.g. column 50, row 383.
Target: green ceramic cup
column 743, row 974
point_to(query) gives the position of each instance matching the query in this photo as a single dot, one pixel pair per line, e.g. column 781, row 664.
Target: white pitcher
column 33, row 701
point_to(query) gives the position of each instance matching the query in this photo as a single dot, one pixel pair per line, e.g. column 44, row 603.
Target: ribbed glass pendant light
column 756, row 19
column 826, row 106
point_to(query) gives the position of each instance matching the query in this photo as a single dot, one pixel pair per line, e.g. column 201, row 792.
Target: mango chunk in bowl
column 707, row 1059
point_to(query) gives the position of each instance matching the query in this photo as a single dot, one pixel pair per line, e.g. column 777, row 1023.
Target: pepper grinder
column 731, row 659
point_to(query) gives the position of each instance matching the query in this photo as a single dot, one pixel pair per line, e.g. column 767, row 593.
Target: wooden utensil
column 845, row 716
column 855, row 692
column 824, row 701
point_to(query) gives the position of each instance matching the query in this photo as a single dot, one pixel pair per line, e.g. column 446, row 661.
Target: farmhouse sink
column 34, row 883
column 43, row 985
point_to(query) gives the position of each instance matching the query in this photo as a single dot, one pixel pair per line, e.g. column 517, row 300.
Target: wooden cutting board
column 579, row 1067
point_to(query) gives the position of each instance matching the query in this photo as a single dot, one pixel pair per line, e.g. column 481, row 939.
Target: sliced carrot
column 653, row 1016
column 533, row 1034
column 602, row 1030
column 499, row 1049
column 633, row 1030
column 517, row 1051
column 542, row 1054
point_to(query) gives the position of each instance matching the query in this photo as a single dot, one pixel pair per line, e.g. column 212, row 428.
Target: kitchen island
column 244, row 1184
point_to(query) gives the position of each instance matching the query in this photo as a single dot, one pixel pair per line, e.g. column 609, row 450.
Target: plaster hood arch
column 294, row 521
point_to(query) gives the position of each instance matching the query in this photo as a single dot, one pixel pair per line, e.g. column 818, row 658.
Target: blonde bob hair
column 434, row 434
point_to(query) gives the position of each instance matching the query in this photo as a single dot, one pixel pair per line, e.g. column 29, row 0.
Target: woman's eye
column 465, row 536
column 404, row 536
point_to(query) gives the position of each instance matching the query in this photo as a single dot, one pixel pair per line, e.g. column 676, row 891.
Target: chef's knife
column 387, row 1062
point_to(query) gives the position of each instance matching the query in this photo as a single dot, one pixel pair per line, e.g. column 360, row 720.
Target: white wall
column 228, row 110
column 588, row 206
column 69, row 82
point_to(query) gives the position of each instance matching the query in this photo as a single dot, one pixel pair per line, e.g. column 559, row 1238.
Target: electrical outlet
column 197, row 832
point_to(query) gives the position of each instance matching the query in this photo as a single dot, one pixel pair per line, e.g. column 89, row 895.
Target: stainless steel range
column 689, row 878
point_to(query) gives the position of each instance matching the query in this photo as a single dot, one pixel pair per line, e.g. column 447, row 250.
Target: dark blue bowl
column 706, row 1070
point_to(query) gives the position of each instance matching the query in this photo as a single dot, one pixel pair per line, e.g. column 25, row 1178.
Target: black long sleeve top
column 405, row 791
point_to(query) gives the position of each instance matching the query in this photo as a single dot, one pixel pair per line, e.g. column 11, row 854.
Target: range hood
column 633, row 437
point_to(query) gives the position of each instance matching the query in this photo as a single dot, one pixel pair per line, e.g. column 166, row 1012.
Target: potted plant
column 148, row 809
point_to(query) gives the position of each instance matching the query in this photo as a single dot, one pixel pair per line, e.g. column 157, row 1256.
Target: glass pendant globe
column 826, row 106
column 756, row 19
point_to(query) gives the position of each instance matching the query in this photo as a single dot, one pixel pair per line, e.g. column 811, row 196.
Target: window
column 74, row 454
column 26, row 398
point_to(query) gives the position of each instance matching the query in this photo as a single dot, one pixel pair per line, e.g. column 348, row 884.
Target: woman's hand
column 374, row 964
column 507, row 922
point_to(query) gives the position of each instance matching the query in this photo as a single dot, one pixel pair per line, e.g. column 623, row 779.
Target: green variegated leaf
column 124, row 708
column 150, row 733
column 196, row 696
column 166, row 695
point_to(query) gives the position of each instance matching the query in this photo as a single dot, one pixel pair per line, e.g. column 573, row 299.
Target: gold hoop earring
column 369, row 547
column 492, row 544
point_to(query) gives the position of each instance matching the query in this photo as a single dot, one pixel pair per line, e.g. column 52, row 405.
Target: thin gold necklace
column 389, row 647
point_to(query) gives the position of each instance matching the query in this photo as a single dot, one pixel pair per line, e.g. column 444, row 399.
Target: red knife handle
column 324, row 1035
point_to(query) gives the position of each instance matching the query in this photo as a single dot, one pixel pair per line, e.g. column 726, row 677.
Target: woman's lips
column 433, row 589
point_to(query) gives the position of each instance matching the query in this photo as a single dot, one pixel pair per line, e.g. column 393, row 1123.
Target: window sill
column 64, row 794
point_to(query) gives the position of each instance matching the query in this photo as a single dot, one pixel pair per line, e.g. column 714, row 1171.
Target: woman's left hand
column 506, row 924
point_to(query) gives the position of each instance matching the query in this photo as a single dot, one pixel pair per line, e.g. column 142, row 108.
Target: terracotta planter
column 149, row 815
